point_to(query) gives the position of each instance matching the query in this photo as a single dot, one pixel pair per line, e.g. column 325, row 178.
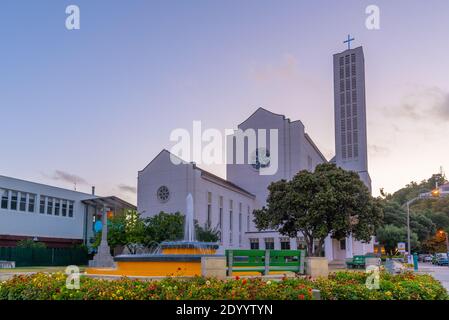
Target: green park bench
column 356, row 262
column 264, row 261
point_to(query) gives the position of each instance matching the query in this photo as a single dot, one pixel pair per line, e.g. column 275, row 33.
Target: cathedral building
column 227, row 204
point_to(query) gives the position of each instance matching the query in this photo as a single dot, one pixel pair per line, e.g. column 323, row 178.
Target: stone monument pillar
column 103, row 258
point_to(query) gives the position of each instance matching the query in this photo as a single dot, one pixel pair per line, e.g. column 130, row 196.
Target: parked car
column 428, row 258
column 441, row 259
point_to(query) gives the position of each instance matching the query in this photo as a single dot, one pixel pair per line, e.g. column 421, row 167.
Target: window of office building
column 70, row 209
column 50, row 206
column 5, row 198
column 269, row 243
column 64, row 208
column 42, row 205
column 254, row 243
column 31, row 202
column 285, row 244
column 14, row 200
column 23, row 201
column 57, row 207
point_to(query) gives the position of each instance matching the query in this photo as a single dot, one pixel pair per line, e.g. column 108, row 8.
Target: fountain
column 170, row 258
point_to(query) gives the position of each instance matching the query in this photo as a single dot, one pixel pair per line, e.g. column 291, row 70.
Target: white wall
column 34, row 224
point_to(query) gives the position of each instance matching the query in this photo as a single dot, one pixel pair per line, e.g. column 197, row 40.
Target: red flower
column 244, row 281
column 300, row 296
column 237, row 278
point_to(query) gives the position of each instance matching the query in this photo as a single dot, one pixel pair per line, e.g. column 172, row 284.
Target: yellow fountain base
column 177, row 259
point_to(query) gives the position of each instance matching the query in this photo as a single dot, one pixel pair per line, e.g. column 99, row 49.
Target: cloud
column 375, row 150
column 431, row 103
column 126, row 188
column 287, row 69
column 67, row 177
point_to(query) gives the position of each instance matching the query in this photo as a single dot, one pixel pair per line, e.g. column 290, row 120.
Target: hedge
column 340, row 286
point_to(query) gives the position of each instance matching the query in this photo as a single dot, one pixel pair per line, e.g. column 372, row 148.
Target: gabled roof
column 159, row 154
column 212, row 177
column 264, row 110
column 309, row 139
column 206, row 174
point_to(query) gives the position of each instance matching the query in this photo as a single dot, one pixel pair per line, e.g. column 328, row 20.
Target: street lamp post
column 433, row 194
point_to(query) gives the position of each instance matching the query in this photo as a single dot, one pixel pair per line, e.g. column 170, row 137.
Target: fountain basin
column 177, row 258
column 188, row 247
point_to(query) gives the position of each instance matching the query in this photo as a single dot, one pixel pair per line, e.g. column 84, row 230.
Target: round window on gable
column 163, row 194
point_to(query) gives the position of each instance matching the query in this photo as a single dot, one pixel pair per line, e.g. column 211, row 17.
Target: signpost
column 401, row 247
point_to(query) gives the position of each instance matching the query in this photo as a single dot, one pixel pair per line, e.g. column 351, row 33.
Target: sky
column 96, row 105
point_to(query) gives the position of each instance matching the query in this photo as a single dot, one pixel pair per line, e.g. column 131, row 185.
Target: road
column 439, row 273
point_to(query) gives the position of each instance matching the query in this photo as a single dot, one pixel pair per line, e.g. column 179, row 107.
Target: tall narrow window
column 240, row 224
column 50, row 206
column 231, row 205
column 5, row 198
column 31, row 202
column 209, row 208
column 14, row 200
column 248, row 220
column 70, row 209
column 23, row 201
column 220, row 217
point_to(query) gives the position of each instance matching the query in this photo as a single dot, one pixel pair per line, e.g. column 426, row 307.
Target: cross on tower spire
column 349, row 41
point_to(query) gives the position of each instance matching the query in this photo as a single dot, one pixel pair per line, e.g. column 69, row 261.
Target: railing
column 28, row 257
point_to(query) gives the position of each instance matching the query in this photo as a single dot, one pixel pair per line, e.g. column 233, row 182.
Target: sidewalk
column 439, row 273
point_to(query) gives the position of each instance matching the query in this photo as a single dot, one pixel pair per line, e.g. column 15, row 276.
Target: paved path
column 439, row 273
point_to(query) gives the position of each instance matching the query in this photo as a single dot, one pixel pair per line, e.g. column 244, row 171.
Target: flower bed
column 340, row 286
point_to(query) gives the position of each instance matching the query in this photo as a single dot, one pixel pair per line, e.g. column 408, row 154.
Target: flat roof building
column 55, row 216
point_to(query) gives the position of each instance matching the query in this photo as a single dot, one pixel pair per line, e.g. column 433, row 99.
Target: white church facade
column 227, row 204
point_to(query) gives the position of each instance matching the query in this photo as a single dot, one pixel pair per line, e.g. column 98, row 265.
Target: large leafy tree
column 390, row 235
column 164, row 227
column 328, row 201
